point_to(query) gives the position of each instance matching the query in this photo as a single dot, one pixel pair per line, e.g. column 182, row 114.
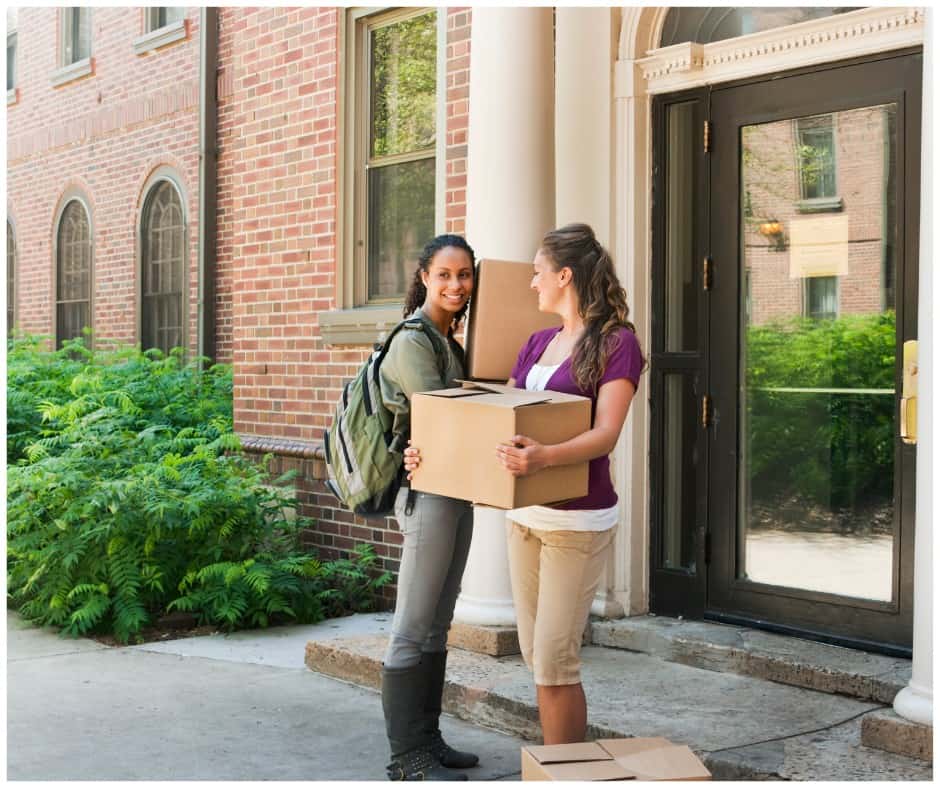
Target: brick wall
column 104, row 134
column 278, row 189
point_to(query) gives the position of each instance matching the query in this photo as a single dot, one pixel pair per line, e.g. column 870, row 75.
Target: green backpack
column 363, row 455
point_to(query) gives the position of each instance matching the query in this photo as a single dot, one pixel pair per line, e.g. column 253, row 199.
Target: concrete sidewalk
column 238, row 707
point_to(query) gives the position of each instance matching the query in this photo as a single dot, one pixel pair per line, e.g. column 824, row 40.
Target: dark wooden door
column 785, row 226
column 814, row 184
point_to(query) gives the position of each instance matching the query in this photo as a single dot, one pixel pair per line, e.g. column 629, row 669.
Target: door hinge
column 708, row 136
column 706, row 410
column 706, row 273
column 708, row 547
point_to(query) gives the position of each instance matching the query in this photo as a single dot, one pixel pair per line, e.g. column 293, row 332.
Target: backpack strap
column 399, row 440
column 413, row 324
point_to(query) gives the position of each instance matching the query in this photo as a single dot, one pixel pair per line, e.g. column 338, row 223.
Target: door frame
column 694, row 597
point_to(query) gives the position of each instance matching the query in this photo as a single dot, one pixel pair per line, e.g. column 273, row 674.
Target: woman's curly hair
column 418, row 292
column 602, row 302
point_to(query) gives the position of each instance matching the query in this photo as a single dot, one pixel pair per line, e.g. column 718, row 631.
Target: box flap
column 453, row 393
column 592, row 771
column 496, row 388
column 675, row 762
column 537, row 396
column 568, row 753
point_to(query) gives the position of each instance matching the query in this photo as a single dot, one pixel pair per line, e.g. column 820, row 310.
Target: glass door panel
column 817, row 411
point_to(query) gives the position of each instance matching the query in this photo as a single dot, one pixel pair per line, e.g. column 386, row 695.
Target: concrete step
column 764, row 655
column 743, row 728
column 889, row 731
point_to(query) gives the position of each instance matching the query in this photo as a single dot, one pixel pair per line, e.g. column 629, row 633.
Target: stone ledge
column 748, row 652
column 72, row 72
column 161, row 37
column 493, row 641
column 889, row 731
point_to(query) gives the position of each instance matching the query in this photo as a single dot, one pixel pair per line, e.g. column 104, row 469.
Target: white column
column 585, row 48
column 510, row 206
column 632, row 255
column 585, row 43
column 915, row 701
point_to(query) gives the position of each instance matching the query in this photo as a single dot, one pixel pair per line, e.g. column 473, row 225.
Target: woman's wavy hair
column 418, row 292
column 602, row 302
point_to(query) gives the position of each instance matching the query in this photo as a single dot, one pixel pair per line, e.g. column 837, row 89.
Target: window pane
column 680, row 461
column 818, row 415
column 822, row 298
column 681, row 299
column 401, row 221
column 403, row 60
column 162, row 16
column 73, row 278
column 11, row 281
column 11, row 61
column 705, row 25
column 82, row 34
column 817, row 157
column 164, row 236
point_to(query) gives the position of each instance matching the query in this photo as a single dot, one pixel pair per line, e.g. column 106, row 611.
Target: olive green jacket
column 411, row 365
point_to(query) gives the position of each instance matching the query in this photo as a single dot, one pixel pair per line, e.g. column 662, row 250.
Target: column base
column 915, row 704
column 607, row 606
column 485, row 612
column 496, row 641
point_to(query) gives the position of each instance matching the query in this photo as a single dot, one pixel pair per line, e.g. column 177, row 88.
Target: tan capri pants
column 554, row 576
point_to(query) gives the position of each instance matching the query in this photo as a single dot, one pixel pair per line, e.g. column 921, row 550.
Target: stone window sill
column 76, row 70
column 161, row 37
column 13, row 96
column 362, row 326
column 820, row 205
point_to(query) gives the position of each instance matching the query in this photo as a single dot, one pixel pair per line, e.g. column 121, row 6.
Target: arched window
column 706, row 25
column 11, row 278
column 73, row 272
column 163, row 249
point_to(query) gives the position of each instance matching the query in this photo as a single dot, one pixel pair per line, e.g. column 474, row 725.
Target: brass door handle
column 908, row 414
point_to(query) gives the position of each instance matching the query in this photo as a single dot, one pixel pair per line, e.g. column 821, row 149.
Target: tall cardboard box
column 504, row 313
column 613, row 759
column 458, row 430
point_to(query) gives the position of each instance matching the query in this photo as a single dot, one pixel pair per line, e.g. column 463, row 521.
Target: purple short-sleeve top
column 624, row 361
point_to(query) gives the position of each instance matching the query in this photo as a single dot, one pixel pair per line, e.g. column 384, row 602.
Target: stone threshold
column 764, row 655
column 743, row 728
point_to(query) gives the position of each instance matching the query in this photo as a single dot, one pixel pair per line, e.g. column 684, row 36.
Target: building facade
column 254, row 185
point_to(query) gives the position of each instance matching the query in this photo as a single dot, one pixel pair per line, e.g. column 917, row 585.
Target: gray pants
column 433, row 556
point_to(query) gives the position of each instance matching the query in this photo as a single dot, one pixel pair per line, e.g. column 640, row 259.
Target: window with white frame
column 11, row 48
column 75, row 35
column 394, row 93
column 163, row 16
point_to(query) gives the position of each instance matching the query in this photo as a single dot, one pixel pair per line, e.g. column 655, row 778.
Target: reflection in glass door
column 813, row 206
column 818, row 230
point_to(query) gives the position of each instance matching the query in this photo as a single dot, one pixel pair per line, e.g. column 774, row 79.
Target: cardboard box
column 613, row 759
column 504, row 313
column 458, row 430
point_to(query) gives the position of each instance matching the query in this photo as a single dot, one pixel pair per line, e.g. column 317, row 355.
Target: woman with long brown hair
column 557, row 553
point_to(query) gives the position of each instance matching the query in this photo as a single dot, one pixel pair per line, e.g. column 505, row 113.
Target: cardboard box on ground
column 458, row 430
column 613, row 759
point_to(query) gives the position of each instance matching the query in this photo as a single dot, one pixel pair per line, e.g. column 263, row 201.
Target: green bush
column 128, row 497
column 832, row 448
